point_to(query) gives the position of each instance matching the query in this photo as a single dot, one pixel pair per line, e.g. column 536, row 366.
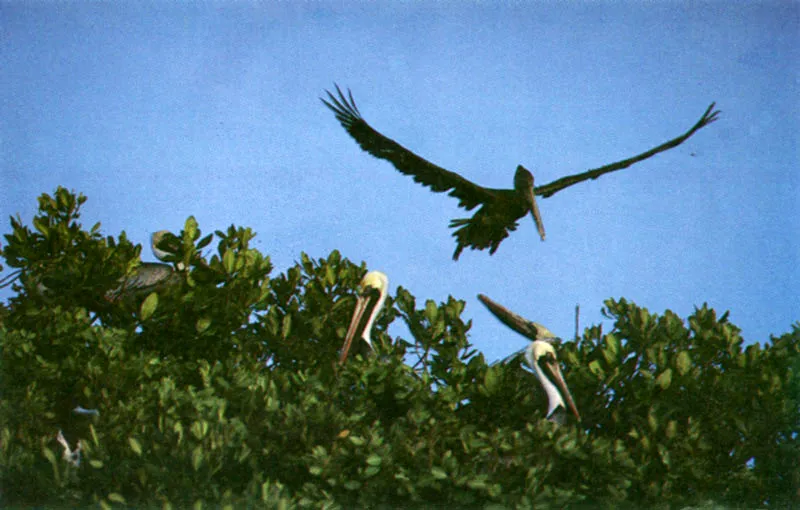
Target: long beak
column 361, row 306
column 537, row 218
column 555, row 370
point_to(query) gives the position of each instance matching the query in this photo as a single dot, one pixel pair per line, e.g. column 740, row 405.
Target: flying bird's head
column 523, row 185
column 523, row 179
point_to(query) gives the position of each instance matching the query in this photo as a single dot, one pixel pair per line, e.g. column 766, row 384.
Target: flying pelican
column 540, row 350
column 374, row 288
column 148, row 276
column 500, row 208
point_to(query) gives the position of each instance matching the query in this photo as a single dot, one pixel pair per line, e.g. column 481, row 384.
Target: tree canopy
column 222, row 389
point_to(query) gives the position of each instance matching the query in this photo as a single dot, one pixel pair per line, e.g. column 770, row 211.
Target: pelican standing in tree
column 372, row 294
column 500, row 208
column 539, row 350
column 541, row 356
column 149, row 276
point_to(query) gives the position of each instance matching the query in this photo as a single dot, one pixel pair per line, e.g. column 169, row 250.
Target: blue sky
column 159, row 111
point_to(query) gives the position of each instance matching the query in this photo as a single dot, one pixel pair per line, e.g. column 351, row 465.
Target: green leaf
column 683, row 362
column 477, row 484
column 612, row 344
column 199, row 429
column 286, row 326
column 116, row 498
column 594, row 367
column 492, row 379
column 135, row 446
column 41, row 226
column 49, row 455
column 229, row 261
column 190, row 226
column 202, row 324
column 665, row 379
column 652, row 421
column 609, row 356
column 438, row 473
column 374, row 460
column 197, row 457
column 431, row 311
column 204, row 241
column 148, row 306
column 671, row 429
column 330, row 276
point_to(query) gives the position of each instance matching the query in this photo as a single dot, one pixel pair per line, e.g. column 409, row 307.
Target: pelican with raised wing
column 500, row 208
column 541, row 357
column 373, row 290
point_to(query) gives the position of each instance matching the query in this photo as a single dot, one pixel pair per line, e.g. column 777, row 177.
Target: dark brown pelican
column 544, row 352
column 500, row 208
column 372, row 294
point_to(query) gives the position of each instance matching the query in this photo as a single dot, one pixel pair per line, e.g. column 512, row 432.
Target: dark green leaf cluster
column 222, row 389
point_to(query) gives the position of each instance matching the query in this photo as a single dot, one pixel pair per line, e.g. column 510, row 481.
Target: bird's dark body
column 500, row 208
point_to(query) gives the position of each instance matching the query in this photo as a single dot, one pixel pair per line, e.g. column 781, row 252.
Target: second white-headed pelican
column 542, row 351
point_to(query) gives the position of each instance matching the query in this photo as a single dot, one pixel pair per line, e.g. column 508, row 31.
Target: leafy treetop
column 222, row 389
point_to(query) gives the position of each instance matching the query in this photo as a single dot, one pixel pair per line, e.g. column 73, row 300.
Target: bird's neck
column 553, row 395
column 366, row 335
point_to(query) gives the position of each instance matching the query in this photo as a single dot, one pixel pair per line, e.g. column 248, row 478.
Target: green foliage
column 223, row 390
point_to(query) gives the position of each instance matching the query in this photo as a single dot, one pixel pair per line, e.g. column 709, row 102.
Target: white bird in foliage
column 541, row 356
column 372, row 294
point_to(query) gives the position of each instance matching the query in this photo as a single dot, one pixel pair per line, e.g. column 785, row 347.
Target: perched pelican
column 374, row 288
column 540, row 350
column 75, row 426
column 149, row 276
column 500, row 208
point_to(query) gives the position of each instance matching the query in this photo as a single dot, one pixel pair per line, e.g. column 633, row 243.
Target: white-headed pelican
column 374, row 288
column 541, row 356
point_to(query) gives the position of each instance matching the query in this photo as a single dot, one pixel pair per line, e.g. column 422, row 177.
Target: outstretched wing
column 559, row 184
column 424, row 172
